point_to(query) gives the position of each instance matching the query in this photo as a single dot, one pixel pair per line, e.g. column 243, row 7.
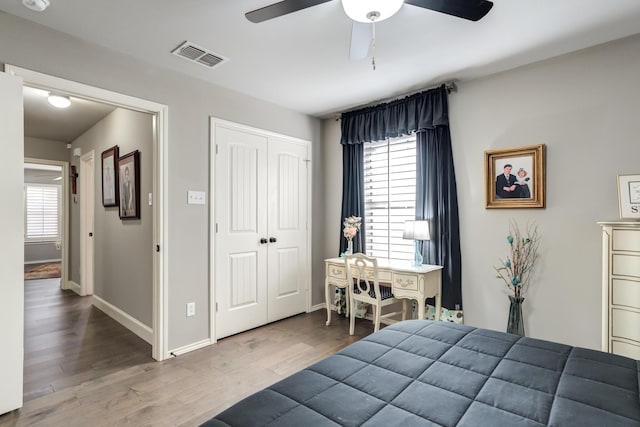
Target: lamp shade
column 416, row 230
column 371, row 10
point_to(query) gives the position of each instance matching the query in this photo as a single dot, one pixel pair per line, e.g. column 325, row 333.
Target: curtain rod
column 449, row 86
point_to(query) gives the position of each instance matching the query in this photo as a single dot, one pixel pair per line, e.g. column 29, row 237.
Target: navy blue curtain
column 425, row 113
column 437, row 202
column 424, row 110
column 352, row 192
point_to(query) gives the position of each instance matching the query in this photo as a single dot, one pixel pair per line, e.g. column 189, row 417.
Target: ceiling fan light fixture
column 371, row 10
column 37, row 5
column 59, row 101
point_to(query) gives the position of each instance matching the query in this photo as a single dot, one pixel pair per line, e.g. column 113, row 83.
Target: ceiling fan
column 365, row 13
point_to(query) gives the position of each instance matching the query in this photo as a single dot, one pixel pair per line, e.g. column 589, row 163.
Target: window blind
column 42, row 206
column 390, row 196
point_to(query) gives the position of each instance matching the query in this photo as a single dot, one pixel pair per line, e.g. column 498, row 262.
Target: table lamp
column 416, row 230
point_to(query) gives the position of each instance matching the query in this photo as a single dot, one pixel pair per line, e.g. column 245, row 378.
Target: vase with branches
column 515, row 270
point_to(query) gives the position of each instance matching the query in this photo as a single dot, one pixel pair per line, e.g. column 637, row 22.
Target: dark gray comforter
column 427, row 373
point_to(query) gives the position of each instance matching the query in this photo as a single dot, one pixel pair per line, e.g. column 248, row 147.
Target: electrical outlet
column 191, row 309
column 196, row 197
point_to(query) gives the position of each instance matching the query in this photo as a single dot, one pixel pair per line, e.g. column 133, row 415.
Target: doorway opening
column 157, row 333
column 45, row 218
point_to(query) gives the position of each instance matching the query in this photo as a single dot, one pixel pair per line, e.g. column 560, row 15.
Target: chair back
column 362, row 274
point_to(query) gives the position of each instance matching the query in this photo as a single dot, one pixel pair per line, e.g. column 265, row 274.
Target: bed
column 426, row 373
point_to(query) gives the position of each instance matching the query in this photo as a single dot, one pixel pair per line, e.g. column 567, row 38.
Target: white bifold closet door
column 261, row 249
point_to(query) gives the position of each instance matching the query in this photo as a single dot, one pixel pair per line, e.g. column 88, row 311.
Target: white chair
column 364, row 285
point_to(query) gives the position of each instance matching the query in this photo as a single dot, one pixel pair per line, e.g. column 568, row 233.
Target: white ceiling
column 300, row 61
column 42, row 120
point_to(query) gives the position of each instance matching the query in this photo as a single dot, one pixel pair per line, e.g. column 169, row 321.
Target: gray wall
column 123, row 248
column 191, row 103
column 584, row 106
column 36, row 252
column 48, row 149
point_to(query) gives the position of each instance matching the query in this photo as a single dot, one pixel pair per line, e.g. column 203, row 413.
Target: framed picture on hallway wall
column 515, row 177
column 129, row 183
column 109, row 177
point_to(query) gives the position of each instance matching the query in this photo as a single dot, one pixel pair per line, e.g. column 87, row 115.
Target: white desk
column 407, row 281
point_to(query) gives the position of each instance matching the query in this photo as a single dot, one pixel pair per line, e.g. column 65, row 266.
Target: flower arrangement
column 517, row 267
column 351, row 228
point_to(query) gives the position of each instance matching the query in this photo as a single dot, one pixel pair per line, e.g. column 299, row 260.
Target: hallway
column 68, row 341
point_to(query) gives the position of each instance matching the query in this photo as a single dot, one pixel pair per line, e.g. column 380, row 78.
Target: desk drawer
column 383, row 276
column 626, row 265
column 337, row 271
column 405, row 281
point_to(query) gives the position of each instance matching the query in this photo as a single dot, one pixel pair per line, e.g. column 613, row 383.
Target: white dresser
column 621, row 288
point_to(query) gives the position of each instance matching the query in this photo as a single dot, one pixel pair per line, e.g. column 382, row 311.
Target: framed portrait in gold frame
column 515, row 177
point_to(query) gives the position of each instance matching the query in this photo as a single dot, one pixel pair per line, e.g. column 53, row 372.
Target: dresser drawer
column 625, row 324
column 625, row 349
column 625, row 292
column 405, row 281
column 626, row 265
column 626, row 240
column 337, row 271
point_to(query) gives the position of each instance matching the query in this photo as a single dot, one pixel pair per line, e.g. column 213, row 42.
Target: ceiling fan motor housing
column 371, row 10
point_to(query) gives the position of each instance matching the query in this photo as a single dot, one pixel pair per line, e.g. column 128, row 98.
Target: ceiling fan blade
column 472, row 10
column 361, row 35
column 281, row 8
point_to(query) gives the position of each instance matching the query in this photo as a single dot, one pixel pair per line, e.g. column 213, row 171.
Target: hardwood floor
column 68, row 341
column 82, row 368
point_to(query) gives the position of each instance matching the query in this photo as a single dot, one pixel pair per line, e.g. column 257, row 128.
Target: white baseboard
column 190, row 347
column 132, row 324
column 73, row 286
column 317, row 307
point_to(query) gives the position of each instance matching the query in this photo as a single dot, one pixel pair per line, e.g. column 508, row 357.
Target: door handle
column 263, row 241
column 272, row 239
column 90, row 234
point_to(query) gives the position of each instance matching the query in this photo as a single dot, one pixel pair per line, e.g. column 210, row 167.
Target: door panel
column 12, row 248
column 243, row 281
column 287, row 224
column 240, row 259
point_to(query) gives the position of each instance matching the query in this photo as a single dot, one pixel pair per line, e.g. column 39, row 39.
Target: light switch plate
column 196, row 197
column 191, row 309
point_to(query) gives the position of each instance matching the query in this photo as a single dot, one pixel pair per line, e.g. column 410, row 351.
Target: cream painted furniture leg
column 335, row 274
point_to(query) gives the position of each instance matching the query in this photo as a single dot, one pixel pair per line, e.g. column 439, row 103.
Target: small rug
column 42, row 271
